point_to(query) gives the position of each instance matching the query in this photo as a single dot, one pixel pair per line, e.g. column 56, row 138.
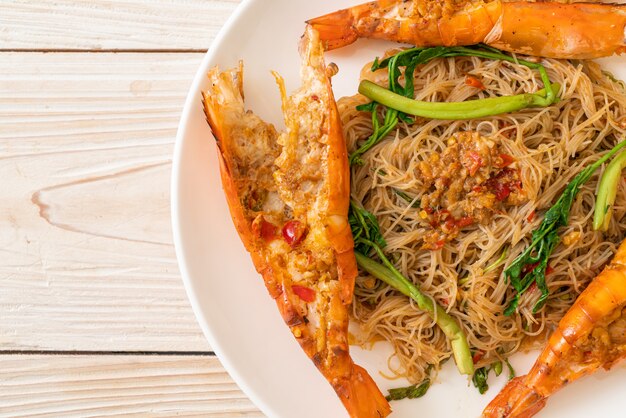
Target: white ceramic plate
column 231, row 303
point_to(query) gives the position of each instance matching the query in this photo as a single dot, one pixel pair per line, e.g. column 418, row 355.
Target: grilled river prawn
column 288, row 195
column 592, row 334
column 546, row 29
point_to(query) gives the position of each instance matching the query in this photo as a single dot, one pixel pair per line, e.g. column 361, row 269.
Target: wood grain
column 81, row 386
column 111, row 24
column 87, row 261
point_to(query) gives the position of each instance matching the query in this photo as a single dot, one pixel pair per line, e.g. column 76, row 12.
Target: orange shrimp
column 592, row 334
column 547, row 29
column 288, row 195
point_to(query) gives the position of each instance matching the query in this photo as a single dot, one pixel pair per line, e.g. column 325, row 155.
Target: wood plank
column 111, row 24
column 87, row 261
column 80, row 386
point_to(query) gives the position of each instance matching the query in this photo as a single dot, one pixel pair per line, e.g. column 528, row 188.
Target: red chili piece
column 504, row 183
column 477, row 162
column 265, row 230
column 477, row 356
column 304, row 293
column 472, row 81
column 531, row 216
column 450, row 223
column 294, row 232
column 465, row 221
column 501, row 190
column 507, row 160
column 529, row 268
column 444, row 217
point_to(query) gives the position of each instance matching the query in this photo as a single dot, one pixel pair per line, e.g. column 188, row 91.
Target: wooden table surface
column 94, row 319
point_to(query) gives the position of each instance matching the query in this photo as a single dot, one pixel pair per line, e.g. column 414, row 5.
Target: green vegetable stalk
column 410, row 59
column 367, row 238
column 497, row 368
column 472, row 109
column 409, row 392
column 498, row 262
column 607, row 190
column 545, row 238
column 390, row 275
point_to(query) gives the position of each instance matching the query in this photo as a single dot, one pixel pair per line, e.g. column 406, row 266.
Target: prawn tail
column 516, row 400
column 336, row 29
column 360, row 395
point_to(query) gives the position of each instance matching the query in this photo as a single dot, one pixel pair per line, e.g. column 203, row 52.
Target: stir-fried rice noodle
column 549, row 145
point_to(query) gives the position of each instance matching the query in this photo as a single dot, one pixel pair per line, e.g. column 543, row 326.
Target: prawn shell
column 515, row 400
column 574, row 31
column 355, row 388
column 547, row 29
column 338, row 230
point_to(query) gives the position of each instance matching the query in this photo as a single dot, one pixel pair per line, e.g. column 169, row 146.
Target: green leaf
column 480, row 379
column 375, row 64
column 511, row 370
column 545, row 239
column 367, row 107
column 364, row 227
column 409, row 392
column 380, row 131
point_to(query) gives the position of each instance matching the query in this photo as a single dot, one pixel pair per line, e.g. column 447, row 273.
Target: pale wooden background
column 94, row 319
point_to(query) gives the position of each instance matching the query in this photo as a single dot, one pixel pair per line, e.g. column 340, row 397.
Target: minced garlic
column 571, row 238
